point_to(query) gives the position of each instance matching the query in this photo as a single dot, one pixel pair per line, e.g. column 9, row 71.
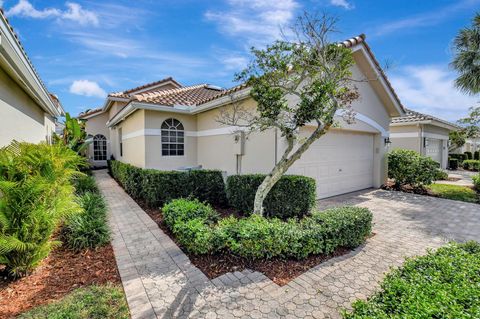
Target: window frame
column 172, row 128
column 102, row 140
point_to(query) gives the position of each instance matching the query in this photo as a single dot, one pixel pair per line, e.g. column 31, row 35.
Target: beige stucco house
column 423, row 133
column 28, row 111
column 167, row 126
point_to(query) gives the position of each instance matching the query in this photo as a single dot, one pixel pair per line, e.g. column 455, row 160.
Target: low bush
column 94, row 302
column 407, row 167
column 441, row 175
column 292, row 195
column 459, row 157
column 195, row 227
column 469, row 155
column 36, row 195
column 442, row 284
column 476, row 155
column 88, row 229
column 472, row 165
column 476, row 182
column 84, row 184
column 157, row 187
column 453, row 163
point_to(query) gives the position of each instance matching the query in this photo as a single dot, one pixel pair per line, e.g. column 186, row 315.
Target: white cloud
column 429, row 18
column 25, row 9
column 74, row 12
column 342, row 3
column 257, row 21
column 87, row 88
column 430, row 89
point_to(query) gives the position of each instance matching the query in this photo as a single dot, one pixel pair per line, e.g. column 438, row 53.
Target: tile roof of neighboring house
column 414, row 116
column 53, row 97
column 127, row 93
column 89, row 112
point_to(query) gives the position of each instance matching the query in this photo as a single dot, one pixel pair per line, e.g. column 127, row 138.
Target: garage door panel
column 340, row 162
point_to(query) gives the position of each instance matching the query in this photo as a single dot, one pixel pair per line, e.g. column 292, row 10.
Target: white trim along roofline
column 361, row 47
column 431, row 122
column 14, row 56
column 418, row 134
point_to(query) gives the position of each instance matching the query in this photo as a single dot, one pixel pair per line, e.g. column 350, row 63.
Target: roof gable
column 414, row 117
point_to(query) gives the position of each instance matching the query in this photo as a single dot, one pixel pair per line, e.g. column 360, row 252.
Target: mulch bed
column 281, row 271
column 59, row 274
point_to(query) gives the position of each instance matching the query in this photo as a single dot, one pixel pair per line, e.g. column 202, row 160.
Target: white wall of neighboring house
column 27, row 111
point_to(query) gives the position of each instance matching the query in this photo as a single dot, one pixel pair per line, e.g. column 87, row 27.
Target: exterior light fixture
column 387, row 141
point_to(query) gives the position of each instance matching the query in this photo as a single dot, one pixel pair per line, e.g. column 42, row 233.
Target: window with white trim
column 99, row 148
column 173, row 138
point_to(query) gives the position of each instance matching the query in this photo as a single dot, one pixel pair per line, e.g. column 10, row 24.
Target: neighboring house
column 28, row 111
column 471, row 145
column 423, row 133
column 167, row 126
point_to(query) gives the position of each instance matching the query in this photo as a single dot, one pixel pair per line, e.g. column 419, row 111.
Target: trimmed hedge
column 469, row 155
column 453, row 163
column 472, row 165
column 196, row 228
column 476, row 182
column 157, row 187
column 292, row 195
column 476, row 155
column 442, row 284
column 459, row 157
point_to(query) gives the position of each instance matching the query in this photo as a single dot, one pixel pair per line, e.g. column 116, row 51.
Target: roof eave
column 14, row 56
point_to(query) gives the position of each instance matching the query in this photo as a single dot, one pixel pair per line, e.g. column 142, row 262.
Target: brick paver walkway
column 160, row 281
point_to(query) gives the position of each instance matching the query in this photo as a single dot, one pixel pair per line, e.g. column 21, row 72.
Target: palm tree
column 467, row 57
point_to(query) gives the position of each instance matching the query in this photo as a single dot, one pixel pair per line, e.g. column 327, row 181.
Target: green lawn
column 94, row 302
column 455, row 192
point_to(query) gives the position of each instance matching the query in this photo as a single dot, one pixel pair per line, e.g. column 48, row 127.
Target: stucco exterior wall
column 21, row 118
column 133, row 146
column 153, row 142
column 427, row 128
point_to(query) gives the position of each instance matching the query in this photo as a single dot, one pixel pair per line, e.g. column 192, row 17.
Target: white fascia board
column 411, row 123
column 381, row 77
column 112, row 99
column 10, row 46
column 133, row 106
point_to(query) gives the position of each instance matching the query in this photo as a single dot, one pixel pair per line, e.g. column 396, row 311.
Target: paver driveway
column 160, row 281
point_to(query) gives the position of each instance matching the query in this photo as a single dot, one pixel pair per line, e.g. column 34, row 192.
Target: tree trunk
column 283, row 165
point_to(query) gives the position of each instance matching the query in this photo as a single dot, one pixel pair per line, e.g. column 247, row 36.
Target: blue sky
column 85, row 49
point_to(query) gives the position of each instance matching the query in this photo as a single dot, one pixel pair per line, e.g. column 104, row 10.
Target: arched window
column 99, row 148
column 173, row 137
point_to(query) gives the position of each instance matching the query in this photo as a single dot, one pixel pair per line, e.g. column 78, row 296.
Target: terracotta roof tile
column 414, row 116
column 126, row 93
column 187, row 95
column 89, row 112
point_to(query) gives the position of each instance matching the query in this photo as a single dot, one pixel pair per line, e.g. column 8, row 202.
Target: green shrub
column 88, row 229
column 459, row 157
column 181, row 210
column 441, row 175
column 442, row 284
column 84, row 184
column 469, row 155
column 254, row 237
column 472, row 165
column 476, row 182
column 453, row 163
column 37, row 193
column 292, row 195
column 157, row 187
column 94, row 302
column 476, row 155
column 407, row 167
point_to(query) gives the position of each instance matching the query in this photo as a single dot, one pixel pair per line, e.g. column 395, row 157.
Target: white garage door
column 340, row 162
column 433, row 149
